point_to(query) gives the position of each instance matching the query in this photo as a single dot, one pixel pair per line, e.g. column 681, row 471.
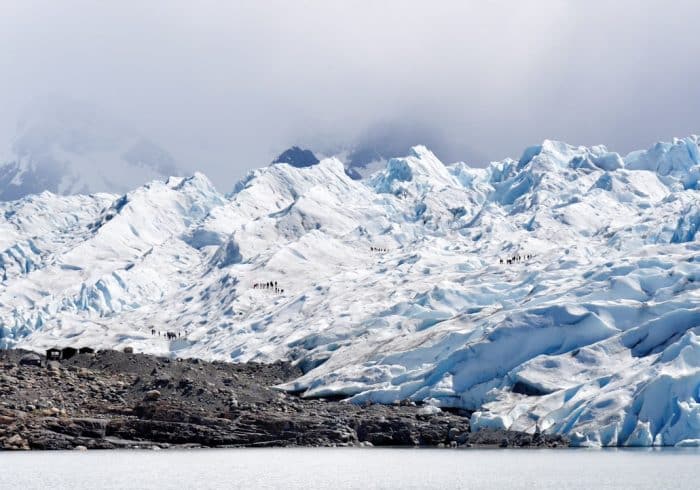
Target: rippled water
column 351, row 468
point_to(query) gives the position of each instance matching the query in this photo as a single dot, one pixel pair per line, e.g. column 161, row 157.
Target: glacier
column 556, row 293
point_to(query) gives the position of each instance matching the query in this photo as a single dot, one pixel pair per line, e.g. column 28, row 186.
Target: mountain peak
column 297, row 157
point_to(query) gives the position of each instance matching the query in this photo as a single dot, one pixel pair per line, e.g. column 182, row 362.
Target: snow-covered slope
column 398, row 286
column 68, row 147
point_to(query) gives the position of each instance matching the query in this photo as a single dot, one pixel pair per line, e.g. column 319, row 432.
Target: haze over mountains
column 557, row 292
column 67, row 146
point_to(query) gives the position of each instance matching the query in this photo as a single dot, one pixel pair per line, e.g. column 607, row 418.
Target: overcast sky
column 225, row 86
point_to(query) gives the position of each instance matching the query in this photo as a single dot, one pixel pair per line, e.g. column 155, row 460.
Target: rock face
column 117, row 400
column 297, row 157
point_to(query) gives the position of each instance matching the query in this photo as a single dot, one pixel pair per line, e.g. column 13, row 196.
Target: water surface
column 351, row 468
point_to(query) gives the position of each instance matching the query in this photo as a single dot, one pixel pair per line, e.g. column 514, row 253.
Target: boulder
column 151, row 396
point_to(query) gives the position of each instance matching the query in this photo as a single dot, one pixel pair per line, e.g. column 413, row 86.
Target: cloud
column 227, row 85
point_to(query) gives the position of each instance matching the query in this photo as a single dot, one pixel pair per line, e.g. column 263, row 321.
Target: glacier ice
column 392, row 287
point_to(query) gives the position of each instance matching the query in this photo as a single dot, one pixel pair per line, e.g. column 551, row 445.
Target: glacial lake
column 351, row 468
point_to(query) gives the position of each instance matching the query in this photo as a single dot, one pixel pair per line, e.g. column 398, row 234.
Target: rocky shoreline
column 110, row 400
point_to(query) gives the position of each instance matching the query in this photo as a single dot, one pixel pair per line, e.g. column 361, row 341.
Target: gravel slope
column 116, row 400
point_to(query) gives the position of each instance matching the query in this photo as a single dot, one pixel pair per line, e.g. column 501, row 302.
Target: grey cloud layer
column 227, row 85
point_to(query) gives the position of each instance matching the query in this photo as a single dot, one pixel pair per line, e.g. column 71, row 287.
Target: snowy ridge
column 392, row 287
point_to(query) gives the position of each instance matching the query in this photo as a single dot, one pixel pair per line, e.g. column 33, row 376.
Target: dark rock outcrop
column 117, row 400
column 297, row 157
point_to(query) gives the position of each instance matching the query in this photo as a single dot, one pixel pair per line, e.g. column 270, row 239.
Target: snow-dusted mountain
column 398, row 286
column 69, row 147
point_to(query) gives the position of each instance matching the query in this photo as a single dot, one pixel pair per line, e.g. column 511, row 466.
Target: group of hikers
column 378, row 249
column 515, row 258
column 268, row 285
column 168, row 335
